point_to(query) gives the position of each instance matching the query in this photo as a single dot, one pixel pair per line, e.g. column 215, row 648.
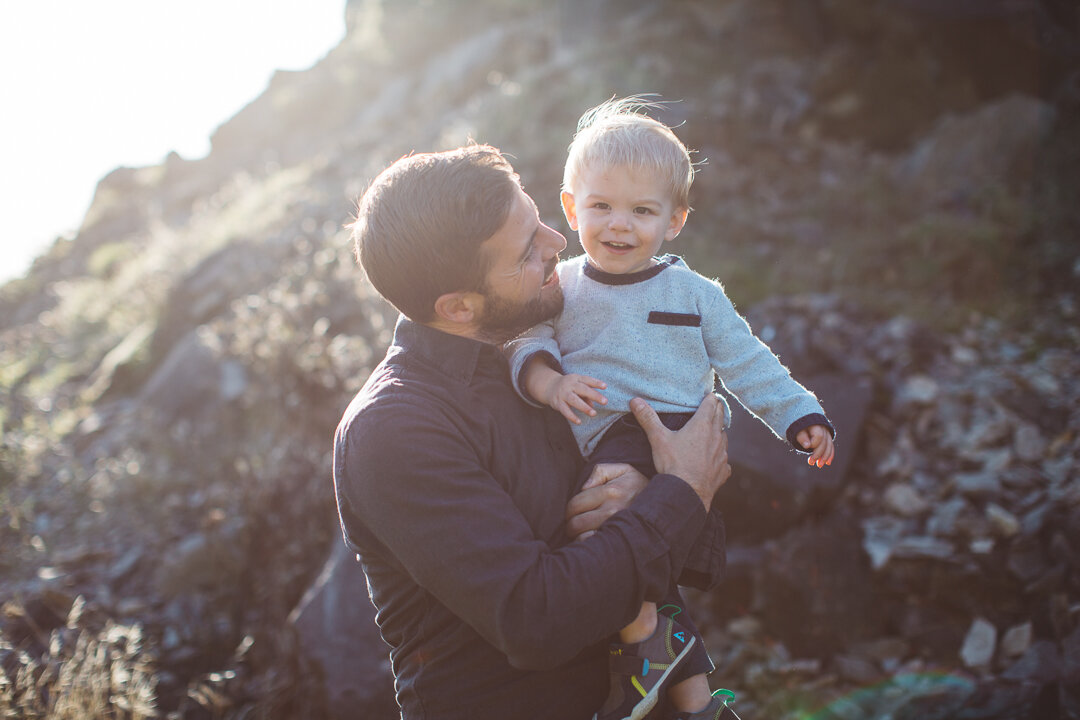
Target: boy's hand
column 570, row 393
column 819, row 441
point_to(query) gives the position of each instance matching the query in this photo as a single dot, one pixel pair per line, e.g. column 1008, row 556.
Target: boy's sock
column 692, row 694
column 717, row 709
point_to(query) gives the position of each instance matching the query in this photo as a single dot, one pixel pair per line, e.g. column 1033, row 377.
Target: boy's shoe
column 640, row 672
column 716, row 710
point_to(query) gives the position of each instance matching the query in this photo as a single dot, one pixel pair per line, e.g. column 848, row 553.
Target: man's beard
column 504, row 319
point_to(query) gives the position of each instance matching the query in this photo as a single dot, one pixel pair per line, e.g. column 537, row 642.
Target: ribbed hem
column 551, row 362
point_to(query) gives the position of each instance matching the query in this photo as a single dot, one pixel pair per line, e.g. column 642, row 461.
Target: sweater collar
column 606, row 278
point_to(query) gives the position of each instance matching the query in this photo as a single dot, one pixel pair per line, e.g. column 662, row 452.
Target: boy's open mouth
column 617, row 245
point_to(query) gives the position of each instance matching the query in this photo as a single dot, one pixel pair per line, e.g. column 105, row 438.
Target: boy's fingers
column 580, row 403
column 590, row 395
column 569, row 414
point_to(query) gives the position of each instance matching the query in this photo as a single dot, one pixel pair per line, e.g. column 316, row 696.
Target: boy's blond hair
column 617, row 133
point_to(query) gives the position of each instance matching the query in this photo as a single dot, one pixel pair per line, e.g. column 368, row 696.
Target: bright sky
column 88, row 86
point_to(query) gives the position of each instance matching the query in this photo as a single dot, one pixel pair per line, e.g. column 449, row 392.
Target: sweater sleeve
column 539, row 339
column 750, row 371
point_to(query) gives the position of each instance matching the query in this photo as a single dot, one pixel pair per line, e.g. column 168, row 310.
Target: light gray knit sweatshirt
column 659, row 334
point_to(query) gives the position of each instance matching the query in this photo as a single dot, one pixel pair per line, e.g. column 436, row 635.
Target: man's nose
column 554, row 241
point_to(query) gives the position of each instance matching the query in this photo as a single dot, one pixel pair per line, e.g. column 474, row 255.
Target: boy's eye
column 601, row 206
column 642, row 210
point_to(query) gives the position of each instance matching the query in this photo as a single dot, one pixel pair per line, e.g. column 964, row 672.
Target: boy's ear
column 678, row 219
column 569, row 209
column 460, row 308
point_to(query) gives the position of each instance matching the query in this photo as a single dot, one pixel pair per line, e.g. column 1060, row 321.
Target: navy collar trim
column 607, row 278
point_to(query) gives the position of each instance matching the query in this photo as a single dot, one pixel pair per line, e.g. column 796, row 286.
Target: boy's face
column 622, row 217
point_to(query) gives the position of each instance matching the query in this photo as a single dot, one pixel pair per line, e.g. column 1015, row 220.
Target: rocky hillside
column 888, row 190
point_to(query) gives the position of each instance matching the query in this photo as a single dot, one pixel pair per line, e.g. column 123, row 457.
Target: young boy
column 637, row 325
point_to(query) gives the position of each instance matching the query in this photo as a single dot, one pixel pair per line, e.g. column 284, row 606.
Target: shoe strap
column 626, row 664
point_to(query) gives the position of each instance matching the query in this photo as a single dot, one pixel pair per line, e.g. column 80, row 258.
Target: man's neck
column 465, row 330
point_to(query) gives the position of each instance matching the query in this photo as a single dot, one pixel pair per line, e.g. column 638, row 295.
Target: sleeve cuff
column 707, row 563
column 804, row 422
column 551, row 362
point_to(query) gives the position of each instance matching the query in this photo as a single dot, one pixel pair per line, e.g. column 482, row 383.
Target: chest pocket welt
column 657, row 317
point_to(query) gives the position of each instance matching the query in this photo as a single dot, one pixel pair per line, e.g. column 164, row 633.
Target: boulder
column 771, row 486
column 335, row 624
column 812, row 587
column 979, row 644
column 240, row 268
column 996, row 145
column 194, row 380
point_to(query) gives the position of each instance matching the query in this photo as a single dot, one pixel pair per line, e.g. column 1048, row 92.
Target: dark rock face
column 888, row 195
column 335, row 624
column 772, row 488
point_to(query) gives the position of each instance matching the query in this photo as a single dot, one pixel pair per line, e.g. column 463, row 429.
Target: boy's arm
column 536, row 343
column 751, row 372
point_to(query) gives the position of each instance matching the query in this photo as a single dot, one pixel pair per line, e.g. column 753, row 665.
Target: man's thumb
column 646, row 416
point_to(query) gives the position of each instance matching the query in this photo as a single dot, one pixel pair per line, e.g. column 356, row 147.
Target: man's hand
column 697, row 453
column 819, row 441
column 608, row 490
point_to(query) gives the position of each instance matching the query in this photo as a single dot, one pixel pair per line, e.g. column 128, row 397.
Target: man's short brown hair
column 420, row 224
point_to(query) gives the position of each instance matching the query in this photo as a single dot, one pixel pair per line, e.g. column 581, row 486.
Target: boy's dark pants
column 626, row 442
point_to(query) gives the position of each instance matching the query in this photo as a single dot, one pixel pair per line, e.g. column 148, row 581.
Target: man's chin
column 503, row 321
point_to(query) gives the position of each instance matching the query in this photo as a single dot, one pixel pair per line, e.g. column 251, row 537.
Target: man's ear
column 459, row 308
column 675, row 226
column 569, row 209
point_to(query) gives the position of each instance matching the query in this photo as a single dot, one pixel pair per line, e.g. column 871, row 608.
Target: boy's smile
column 622, row 217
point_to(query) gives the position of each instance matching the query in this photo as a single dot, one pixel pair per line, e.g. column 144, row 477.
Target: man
column 460, row 499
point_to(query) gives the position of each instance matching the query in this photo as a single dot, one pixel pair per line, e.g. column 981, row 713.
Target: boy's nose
column 619, row 221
